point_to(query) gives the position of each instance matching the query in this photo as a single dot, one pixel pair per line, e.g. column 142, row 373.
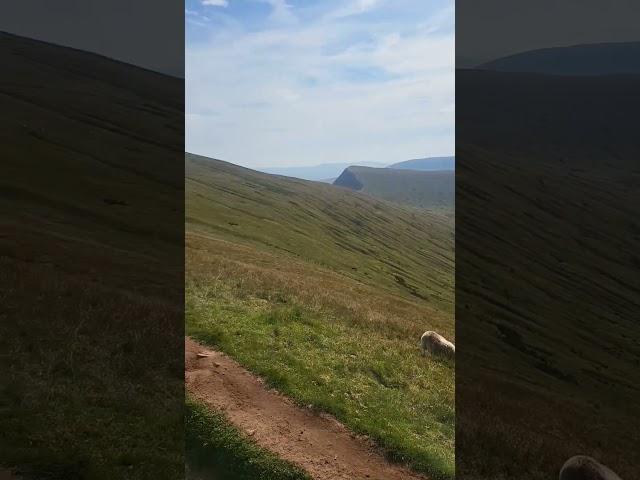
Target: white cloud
column 215, row 3
column 196, row 18
column 354, row 7
column 281, row 11
column 298, row 94
column 366, row 5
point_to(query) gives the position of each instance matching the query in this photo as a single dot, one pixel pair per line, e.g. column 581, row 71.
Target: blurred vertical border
column 92, row 240
column 547, row 237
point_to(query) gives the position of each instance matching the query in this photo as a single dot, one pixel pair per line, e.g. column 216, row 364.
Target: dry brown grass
column 275, row 278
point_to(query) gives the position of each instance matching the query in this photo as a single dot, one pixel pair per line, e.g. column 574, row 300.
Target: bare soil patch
column 318, row 443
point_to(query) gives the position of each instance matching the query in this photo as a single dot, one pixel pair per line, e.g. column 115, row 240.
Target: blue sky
column 303, row 82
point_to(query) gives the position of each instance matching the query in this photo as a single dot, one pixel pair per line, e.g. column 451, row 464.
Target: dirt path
column 318, row 443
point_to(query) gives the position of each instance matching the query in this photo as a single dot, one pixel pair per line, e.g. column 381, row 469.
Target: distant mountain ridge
column 587, row 59
column 349, row 179
column 427, row 164
column 320, row 172
column 423, row 189
column 328, row 172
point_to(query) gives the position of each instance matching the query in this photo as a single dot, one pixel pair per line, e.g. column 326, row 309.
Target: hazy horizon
column 277, row 83
column 322, row 164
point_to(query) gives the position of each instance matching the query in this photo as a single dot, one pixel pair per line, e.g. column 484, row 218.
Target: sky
column 491, row 29
column 274, row 83
column 147, row 33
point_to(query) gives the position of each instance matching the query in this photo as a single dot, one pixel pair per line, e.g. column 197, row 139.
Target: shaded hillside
column 80, row 168
column 431, row 190
column 349, row 179
column 591, row 59
column 90, row 258
column 429, row 164
column 546, row 271
column 585, row 122
column 373, row 241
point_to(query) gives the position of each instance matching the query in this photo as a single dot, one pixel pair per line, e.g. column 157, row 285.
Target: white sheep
column 582, row 467
column 435, row 344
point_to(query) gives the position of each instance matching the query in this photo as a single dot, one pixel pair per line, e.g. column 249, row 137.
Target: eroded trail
column 318, row 443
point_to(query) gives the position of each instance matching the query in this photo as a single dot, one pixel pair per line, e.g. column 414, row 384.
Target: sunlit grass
column 376, row 384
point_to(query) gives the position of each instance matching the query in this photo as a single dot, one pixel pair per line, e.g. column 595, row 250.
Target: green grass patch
column 216, row 449
column 375, row 384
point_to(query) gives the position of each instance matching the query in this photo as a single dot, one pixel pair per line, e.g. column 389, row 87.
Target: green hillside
column 375, row 242
column 433, row 190
column 325, row 293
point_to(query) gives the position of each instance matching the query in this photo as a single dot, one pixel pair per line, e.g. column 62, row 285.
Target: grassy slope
column 402, row 251
column 548, row 348
column 299, row 281
column 92, row 319
column 431, row 190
